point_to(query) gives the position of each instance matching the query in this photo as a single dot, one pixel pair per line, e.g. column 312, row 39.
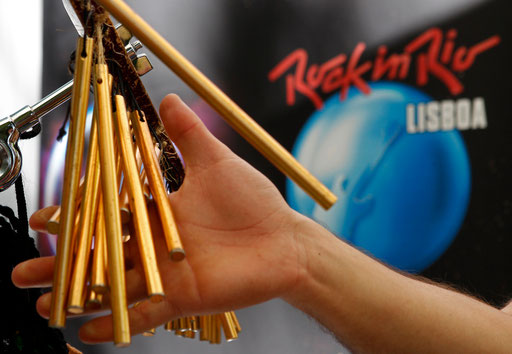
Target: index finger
column 39, row 219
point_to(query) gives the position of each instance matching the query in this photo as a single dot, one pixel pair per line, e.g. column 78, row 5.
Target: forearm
column 372, row 308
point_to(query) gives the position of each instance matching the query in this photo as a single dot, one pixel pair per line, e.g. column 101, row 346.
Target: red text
column 432, row 54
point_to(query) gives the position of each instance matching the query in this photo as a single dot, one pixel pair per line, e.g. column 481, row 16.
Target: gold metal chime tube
column 111, row 205
column 53, row 224
column 99, row 259
column 86, row 225
column 156, row 185
column 64, row 256
column 138, row 204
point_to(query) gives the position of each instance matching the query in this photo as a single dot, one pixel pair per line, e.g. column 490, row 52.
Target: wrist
column 314, row 245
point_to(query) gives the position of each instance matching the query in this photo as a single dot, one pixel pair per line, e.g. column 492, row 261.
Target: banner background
column 237, row 44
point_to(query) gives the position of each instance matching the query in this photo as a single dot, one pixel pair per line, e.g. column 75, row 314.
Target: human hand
column 236, row 229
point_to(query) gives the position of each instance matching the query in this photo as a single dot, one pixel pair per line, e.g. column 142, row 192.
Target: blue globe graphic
column 401, row 197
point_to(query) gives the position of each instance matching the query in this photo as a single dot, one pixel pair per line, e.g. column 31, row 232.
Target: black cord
column 22, row 207
column 62, row 129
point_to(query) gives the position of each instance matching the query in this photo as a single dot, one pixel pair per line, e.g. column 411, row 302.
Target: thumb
column 187, row 131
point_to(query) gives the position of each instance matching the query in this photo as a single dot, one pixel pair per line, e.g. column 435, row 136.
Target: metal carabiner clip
column 11, row 127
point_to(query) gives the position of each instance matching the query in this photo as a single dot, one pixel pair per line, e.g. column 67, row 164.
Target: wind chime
column 128, row 158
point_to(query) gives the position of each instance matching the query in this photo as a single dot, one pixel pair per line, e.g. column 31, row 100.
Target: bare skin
column 508, row 309
column 245, row 246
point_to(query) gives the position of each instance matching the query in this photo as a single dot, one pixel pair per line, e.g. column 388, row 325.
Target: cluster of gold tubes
column 119, row 178
column 207, row 327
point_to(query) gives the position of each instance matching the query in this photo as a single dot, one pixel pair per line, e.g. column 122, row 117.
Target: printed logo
column 392, row 154
column 431, row 54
